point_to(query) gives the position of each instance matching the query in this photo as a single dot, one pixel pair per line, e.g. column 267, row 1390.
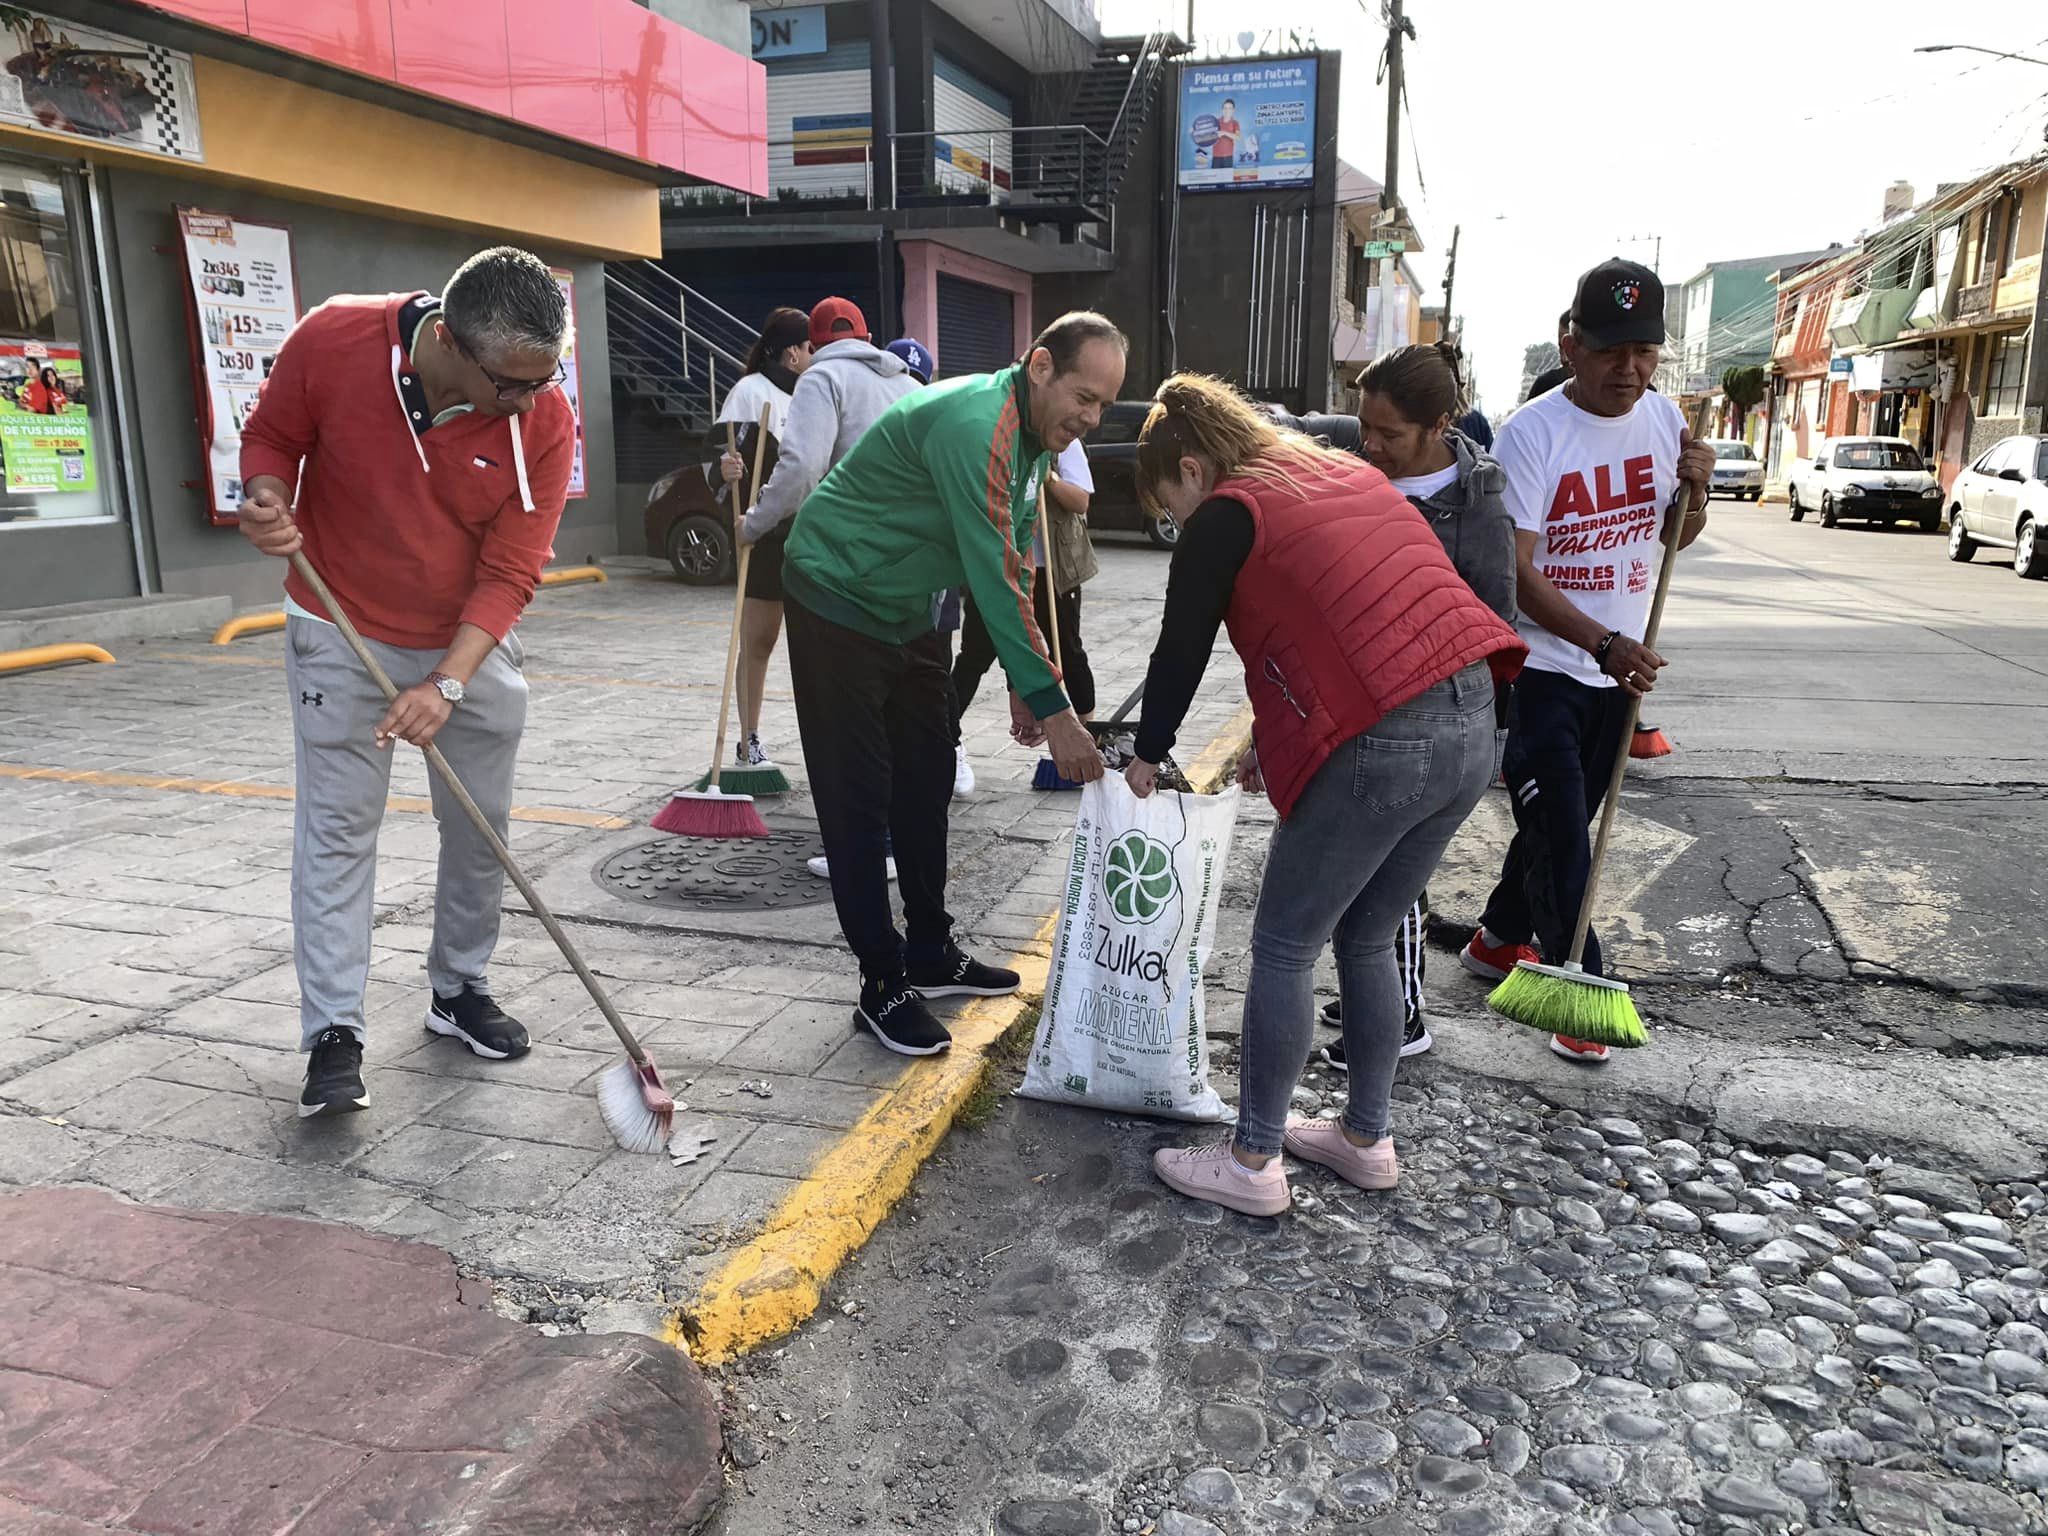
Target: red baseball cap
column 837, row 320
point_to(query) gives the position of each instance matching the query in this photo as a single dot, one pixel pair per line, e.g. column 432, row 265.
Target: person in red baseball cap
column 837, row 320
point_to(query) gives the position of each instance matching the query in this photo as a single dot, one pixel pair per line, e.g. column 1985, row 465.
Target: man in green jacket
column 942, row 491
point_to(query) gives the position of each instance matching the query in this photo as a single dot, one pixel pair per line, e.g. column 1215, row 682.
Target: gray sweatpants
column 344, row 780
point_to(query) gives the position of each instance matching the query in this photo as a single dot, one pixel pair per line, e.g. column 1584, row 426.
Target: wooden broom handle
column 739, row 593
column 1674, row 518
column 1052, row 587
column 471, row 809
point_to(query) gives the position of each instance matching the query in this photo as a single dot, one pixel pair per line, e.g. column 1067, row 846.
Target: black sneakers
column 894, row 1013
column 334, row 1076
column 479, row 1023
column 1415, row 1037
column 955, row 974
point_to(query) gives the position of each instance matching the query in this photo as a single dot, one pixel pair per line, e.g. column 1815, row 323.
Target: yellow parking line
column 103, row 778
column 771, row 1285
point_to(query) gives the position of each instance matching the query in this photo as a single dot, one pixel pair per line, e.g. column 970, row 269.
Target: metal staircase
column 1074, row 171
column 674, row 355
column 1115, row 97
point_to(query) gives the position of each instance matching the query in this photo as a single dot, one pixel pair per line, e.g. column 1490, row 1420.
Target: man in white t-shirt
column 1591, row 468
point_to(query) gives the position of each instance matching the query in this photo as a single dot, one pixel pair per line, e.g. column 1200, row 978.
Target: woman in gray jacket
column 1407, row 401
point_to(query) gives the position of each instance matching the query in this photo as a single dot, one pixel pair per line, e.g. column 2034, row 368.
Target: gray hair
column 506, row 300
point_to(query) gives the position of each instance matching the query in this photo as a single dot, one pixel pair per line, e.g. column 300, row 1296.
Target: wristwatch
column 450, row 688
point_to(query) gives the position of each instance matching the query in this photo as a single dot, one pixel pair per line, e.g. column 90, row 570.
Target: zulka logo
column 1627, row 293
column 1138, row 878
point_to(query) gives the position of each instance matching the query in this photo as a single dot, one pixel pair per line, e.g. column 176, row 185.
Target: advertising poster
column 244, row 302
column 45, row 431
column 571, row 384
column 1249, row 123
column 66, row 78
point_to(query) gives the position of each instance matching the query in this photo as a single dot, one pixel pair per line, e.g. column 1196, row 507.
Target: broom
column 1048, row 775
column 735, row 779
column 1648, row 742
column 1563, row 999
column 707, row 810
column 635, row 1105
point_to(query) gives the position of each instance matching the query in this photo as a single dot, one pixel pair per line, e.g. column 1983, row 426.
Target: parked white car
column 1872, row 479
column 2002, row 500
column 1738, row 472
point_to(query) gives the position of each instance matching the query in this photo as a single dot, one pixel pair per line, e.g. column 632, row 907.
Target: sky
column 1560, row 134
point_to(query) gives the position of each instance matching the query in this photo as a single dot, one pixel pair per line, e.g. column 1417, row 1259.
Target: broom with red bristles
column 705, row 810
column 631, row 1098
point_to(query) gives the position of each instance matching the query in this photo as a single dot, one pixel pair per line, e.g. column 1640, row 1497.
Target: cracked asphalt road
column 1828, row 900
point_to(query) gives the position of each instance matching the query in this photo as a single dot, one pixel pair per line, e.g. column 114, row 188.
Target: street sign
column 1379, row 250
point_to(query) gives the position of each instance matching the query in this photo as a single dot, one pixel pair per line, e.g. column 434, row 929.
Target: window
column 2002, row 376
column 2041, row 461
column 1991, row 236
column 1987, row 461
column 1120, row 424
column 53, row 403
column 1733, row 451
column 1877, row 456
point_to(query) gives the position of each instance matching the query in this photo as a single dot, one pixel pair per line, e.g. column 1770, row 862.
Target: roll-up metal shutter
column 976, row 334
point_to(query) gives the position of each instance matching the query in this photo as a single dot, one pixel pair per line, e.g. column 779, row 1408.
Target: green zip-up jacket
column 942, row 491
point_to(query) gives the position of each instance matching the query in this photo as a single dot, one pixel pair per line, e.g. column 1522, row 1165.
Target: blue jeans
column 1349, row 861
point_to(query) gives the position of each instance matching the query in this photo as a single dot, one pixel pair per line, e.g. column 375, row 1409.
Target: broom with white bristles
column 636, row 1106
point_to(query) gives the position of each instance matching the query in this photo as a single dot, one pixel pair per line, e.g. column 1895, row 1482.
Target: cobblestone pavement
column 1560, row 1323
column 148, row 1018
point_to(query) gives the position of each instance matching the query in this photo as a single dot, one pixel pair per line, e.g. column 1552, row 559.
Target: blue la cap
column 916, row 357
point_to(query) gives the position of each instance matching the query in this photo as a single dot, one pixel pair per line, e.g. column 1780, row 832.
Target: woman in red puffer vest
column 1371, row 668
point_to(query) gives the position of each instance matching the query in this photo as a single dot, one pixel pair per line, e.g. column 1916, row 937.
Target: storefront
column 129, row 357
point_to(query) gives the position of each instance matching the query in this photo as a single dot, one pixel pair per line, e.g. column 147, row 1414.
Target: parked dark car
column 687, row 523
column 1112, row 459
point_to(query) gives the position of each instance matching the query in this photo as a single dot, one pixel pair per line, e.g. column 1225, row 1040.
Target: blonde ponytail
column 1202, row 417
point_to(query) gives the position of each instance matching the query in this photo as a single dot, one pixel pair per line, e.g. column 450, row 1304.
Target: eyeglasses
column 510, row 389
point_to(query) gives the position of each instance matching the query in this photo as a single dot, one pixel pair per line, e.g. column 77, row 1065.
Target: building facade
column 180, row 181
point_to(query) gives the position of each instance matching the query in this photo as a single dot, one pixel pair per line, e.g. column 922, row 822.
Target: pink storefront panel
column 353, row 34
column 603, row 72
column 643, row 83
column 456, row 49
column 557, row 69
column 228, row 15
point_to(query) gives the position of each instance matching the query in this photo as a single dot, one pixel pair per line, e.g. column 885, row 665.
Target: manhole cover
column 699, row 874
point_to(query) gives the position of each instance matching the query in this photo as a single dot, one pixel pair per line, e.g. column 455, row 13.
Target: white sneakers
column 963, row 774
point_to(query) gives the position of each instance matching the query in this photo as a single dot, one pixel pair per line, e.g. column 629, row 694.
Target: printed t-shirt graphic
column 1593, row 491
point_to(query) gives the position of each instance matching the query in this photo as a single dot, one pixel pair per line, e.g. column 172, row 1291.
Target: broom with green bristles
column 1563, row 999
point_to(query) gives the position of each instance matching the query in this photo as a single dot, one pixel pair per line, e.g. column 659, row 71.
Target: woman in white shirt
column 782, row 352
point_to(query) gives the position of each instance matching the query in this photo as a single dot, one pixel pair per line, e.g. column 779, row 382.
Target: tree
column 1744, row 388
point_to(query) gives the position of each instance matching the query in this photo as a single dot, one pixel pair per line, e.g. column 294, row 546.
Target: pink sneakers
column 1210, row 1173
column 1324, row 1141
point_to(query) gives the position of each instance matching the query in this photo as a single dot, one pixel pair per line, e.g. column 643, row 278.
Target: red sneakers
column 1591, row 1052
column 1494, row 961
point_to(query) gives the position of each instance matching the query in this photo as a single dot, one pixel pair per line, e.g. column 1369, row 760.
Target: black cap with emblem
column 1619, row 302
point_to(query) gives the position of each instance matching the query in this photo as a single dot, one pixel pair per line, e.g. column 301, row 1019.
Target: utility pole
column 1450, row 283
column 1399, row 27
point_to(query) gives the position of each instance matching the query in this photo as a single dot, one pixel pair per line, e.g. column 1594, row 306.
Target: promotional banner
column 571, row 385
column 244, row 302
column 45, row 433
column 66, row 78
column 1249, row 124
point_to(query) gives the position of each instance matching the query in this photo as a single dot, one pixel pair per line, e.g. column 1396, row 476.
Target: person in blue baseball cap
column 917, row 357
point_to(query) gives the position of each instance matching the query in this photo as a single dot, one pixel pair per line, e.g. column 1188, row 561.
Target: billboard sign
column 1248, row 123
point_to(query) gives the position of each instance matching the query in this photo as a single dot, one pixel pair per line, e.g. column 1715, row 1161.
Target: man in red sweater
column 418, row 449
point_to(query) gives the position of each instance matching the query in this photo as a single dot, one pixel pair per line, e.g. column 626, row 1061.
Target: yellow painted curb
column 50, row 656
column 248, row 624
column 570, row 573
column 775, row 1282
column 104, row 778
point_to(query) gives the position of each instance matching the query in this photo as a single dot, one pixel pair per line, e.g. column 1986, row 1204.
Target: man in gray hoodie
column 850, row 382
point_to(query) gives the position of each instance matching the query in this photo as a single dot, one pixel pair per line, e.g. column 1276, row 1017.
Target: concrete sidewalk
column 173, row 1373
column 148, row 1018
